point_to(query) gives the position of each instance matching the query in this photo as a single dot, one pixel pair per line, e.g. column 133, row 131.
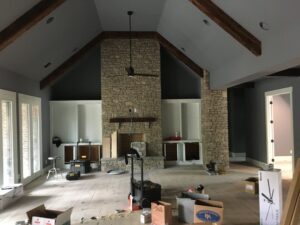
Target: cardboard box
column 42, row 216
column 161, row 213
column 208, row 211
column 270, row 197
column 185, row 205
column 251, row 185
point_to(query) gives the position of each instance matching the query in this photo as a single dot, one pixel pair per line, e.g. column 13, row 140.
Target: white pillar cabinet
column 181, row 130
column 74, row 121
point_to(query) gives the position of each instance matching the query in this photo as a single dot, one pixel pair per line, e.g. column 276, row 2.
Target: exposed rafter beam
column 163, row 42
column 28, row 20
column 58, row 72
column 245, row 85
column 293, row 72
column 179, row 55
column 229, row 25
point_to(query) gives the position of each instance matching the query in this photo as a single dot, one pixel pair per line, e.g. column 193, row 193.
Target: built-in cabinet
column 182, row 118
column 74, row 121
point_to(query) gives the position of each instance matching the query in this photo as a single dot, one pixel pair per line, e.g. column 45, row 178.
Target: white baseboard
column 257, row 163
column 237, row 157
column 36, row 175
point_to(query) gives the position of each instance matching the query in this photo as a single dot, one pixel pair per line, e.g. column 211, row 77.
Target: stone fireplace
column 131, row 106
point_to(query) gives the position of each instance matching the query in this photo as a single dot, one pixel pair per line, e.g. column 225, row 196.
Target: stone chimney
column 140, row 95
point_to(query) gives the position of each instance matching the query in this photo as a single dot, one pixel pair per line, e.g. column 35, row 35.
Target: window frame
column 31, row 101
column 11, row 97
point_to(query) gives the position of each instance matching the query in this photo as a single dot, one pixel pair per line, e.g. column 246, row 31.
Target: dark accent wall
column 20, row 84
column 177, row 80
column 236, row 120
column 81, row 81
column 254, row 123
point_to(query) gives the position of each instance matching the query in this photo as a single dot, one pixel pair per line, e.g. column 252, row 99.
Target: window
column 7, row 137
column 25, row 133
column 30, row 135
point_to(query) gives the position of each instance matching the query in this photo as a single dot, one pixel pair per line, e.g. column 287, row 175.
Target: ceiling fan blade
column 145, row 75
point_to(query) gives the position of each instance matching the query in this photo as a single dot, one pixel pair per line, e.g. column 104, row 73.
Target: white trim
column 281, row 91
column 78, row 102
column 192, row 100
column 30, row 100
column 268, row 95
column 11, row 96
column 257, row 163
column 237, row 156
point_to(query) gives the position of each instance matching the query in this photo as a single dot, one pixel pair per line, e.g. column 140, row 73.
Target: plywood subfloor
column 98, row 194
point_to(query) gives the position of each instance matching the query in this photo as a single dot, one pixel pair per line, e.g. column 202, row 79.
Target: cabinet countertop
column 80, row 143
column 182, row 141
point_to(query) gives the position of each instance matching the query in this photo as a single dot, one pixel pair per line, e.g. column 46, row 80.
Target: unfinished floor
column 98, row 194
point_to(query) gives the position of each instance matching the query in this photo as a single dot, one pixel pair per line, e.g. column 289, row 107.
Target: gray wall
column 20, row 84
column 254, row 125
column 81, row 81
column 177, row 80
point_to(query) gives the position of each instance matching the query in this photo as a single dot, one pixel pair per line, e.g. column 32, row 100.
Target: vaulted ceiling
column 193, row 32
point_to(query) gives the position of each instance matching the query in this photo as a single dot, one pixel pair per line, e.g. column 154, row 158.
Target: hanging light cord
column 130, row 57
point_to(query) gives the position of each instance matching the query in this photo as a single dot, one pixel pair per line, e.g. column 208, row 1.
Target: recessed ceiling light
column 206, row 22
column 47, row 65
column 50, row 20
column 264, row 26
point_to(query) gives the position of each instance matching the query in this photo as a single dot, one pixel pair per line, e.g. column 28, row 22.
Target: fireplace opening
column 125, row 139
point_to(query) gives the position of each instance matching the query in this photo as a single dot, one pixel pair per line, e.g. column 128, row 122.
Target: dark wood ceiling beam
column 26, row 21
column 292, row 72
column 229, row 25
column 245, row 85
column 179, row 55
column 59, row 72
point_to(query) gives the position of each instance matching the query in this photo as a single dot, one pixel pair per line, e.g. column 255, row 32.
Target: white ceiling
column 78, row 21
column 13, row 9
column 113, row 14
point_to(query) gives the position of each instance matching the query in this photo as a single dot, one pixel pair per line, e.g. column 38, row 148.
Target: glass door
column 36, row 154
column 30, row 136
column 25, row 135
column 8, row 143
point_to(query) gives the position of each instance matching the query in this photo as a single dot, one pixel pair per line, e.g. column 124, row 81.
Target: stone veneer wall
column 214, row 123
column 121, row 93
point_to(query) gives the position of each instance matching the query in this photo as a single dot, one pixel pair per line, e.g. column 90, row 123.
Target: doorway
column 280, row 136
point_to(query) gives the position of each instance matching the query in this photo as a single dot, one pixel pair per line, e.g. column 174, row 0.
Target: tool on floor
column 73, row 176
column 142, row 192
column 212, row 168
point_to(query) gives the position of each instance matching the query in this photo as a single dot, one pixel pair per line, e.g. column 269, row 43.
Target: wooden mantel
column 120, row 120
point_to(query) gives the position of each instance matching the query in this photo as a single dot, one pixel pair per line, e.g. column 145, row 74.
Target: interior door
column 280, row 131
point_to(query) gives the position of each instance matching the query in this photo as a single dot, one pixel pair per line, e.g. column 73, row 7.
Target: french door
column 30, row 136
column 8, row 138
